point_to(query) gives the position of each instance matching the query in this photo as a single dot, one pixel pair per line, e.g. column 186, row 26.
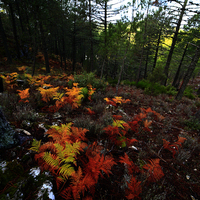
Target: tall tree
column 3, row 35
column 166, row 69
column 188, row 74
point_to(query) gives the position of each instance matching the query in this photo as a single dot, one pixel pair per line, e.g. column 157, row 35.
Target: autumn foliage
column 80, row 166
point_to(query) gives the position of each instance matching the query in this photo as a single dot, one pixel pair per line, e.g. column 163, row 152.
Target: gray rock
column 7, row 134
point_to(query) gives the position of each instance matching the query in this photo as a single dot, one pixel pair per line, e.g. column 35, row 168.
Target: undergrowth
column 105, row 153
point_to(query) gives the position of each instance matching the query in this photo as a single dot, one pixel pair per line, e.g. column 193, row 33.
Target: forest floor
column 181, row 171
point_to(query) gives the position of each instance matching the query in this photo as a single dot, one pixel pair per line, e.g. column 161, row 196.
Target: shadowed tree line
column 159, row 38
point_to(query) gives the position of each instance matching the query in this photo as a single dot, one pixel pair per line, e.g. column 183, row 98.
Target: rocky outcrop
column 7, row 134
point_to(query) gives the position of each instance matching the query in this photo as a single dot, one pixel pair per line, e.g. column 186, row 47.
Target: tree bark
column 91, row 37
column 105, row 40
column 3, row 35
column 14, row 30
column 179, row 68
column 188, row 74
column 122, row 68
column 169, row 58
column 44, row 46
column 157, row 48
column 144, row 37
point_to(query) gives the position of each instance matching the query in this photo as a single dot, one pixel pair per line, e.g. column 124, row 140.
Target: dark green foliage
column 157, row 76
column 127, row 82
column 143, row 84
column 171, row 90
column 192, row 124
column 89, row 78
column 155, row 89
column 84, row 92
column 112, row 82
column 188, row 93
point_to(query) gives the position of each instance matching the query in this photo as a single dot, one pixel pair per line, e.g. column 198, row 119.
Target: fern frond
column 47, row 146
column 154, row 170
column 51, row 160
column 35, row 145
column 59, row 181
column 119, row 123
column 66, row 170
column 134, row 189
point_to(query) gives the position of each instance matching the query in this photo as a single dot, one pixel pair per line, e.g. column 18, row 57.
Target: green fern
column 51, row 160
column 66, row 170
column 119, row 123
column 36, row 145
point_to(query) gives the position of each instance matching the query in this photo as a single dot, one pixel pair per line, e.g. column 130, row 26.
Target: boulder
column 7, row 134
column 1, row 85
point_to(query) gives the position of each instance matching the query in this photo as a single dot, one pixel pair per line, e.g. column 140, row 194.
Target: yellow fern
column 48, row 94
column 119, row 123
column 36, row 145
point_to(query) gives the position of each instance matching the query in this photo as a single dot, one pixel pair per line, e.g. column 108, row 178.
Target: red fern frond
column 154, row 170
column 174, row 146
column 180, row 141
column 134, row 125
column 131, row 166
column 134, row 189
column 98, row 163
column 90, row 112
column 117, row 117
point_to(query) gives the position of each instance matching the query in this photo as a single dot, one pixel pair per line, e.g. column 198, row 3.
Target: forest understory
column 136, row 146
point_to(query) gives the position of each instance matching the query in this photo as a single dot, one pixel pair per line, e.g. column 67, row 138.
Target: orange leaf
column 24, row 93
column 90, row 112
column 146, row 125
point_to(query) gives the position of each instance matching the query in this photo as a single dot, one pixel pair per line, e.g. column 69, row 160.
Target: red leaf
column 90, row 112
column 134, row 188
column 174, row 146
column 131, row 166
column 117, row 117
column 154, row 170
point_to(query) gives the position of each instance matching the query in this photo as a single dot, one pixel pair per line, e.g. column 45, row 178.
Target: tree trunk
column 3, row 35
column 44, row 46
column 144, row 38
column 146, row 65
column 179, row 68
column 188, row 74
column 91, row 38
column 19, row 13
column 157, row 47
column 169, row 58
column 14, row 30
column 74, row 42
column 122, row 68
column 105, row 41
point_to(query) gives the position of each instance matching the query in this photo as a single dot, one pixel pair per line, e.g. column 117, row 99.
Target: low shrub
column 89, row 78
column 189, row 92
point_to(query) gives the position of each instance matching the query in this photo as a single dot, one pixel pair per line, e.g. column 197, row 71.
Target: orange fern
column 24, row 94
column 48, row 94
column 90, row 112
